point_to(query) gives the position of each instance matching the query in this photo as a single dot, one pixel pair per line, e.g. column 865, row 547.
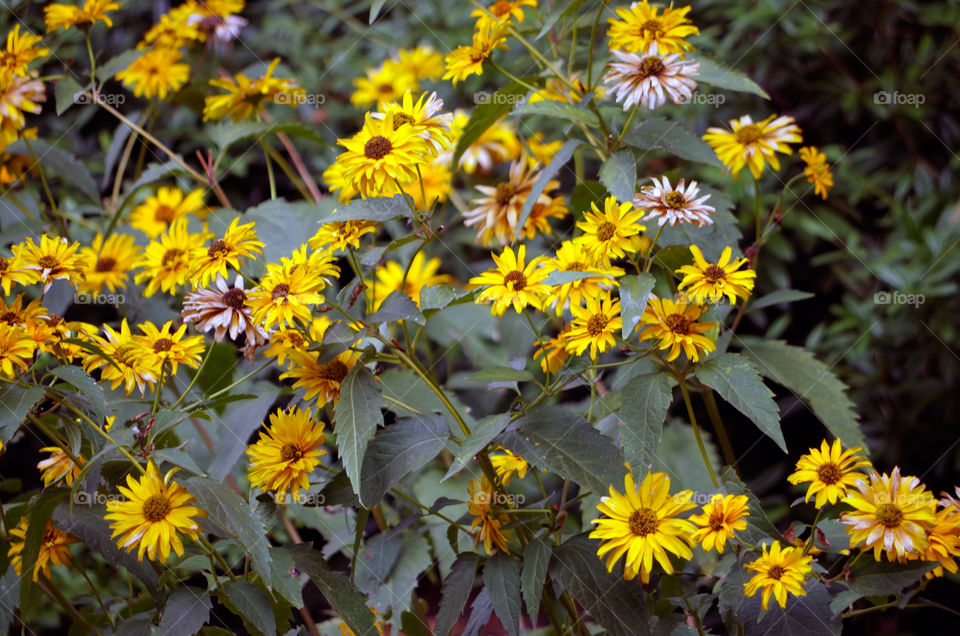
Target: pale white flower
column 651, row 78
column 668, row 204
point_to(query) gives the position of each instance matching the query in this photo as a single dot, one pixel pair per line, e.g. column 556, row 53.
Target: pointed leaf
column 356, row 419
column 715, row 74
column 672, row 138
column 397, row 451
column 455, row 592
column 186, row 611
column 501, row 577
column 252, row 604
column 347, row 601
column 559, row 110
column 396, row 307
column 634, row 292
column 546, row 175
column 618, row 174
column 536, row 558
column 15, row 403
column 644, row 403
column 488, row 113
column 487, row 429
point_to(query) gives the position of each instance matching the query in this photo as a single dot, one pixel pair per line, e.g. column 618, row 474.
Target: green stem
column 696, row 432
column 720, row 430
column 212, row 551
column 159, row 388
column 756, row 204
column 51, row 590
column 93, row 59
column 93, row 588
column 813, row 532
column 227, row 389
column 196, row 376
column 626, row 126
column 593, row 43
column 649, row 259
column 271, row 179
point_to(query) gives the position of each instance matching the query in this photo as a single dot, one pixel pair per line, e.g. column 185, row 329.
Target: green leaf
column 715, row 74
column 546, row 175
column 809, row 379
column 558, row 110
column 563, row 10
column 672, row 138
column 347, row 601
column 379, row 209
column 536, row 558
column 250, row 603
column 86, row 386
column 283, row 577
column 117, row 63
column 556, row 439
column 396, row 307
column 39, row 511
column 501, row 576
column 488, row 113
column 560, row 277
column 644, row 403
column 226, row 133
column 284, row 226
column 234, row 517
column 486, row 429
column 398, row 450
column 15, row 403
column 780, row 296
column 455, row 592
column 60, row 163
column 737, row 382
column 440, row 296
column 186, row 611
column 759, row 528
column 634, row 292
column 618, row 174
column 356, row 419
column 65, row 92
column 879, row 578
column 619, row 606
column 375, row 8
column 500, row 374
column 413, row 625
column 238, row 423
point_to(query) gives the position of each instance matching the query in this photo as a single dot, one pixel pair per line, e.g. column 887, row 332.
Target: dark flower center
column 651, row 66
column 280, row 291
column 217, row 249
column 606, row 231
column 234, row 298
column 749, row 134
column 291, row 453
column 889, row 515
column 163, row 344
column 678, row 324
column 597, row 324
column 106, row 264
column 48, row 262
column 164, row 214
column 516, row 279
column 775, row 572
column 643, row 522
column 505, row 193
column 171, row 256
column 675, row 200
column 399, row 119
column 3, row 264
column 714, row 273
column 9, row 317
column 829, row 473
column 716, row 521
column 156, row 508
column 652, row 25
column 377, row 147
column 334, row 371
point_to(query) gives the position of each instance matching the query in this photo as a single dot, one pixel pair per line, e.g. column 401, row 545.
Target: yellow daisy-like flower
column 642, row 524
column 130, row 366
column 58, row 466
column 381, row 156
column 675, row 325
column 333, row 177
column 53, row 548
column 575, row 257
column 423, row 62
column 594, row 325
column 513, row 283
column 385, row 84
column 64, row 16
column 20, row 314
column 245, row 98
column 817, row 170
column 614, row 232
column 552, row 353
column 496, row 214
column 778, row 573
column 424, row 116
column 13, row 271
column 18, row 96
column 338, row 236
column 154, row 514
column 507, row 465
column 486, row 524
column 16, row 349
column 709, row 282
column 319, row 266
column 497, row 144
column 285, row 341
column 176, row 29
column 719, row 519
column 286, row 454
column 285, row 296
column 21, row 49
column 156, row 73
column 107, row 264
column 239, row 241
column 891, row 513
column 321, row 380
column 637, row 27
column 538, row 221
column 70, row 330
column 167, row 263
column 53, row 258
column 502, row 10
column 542, row 152
column 751, row 144
column 943, row 538
column 421, row 273
column 168, row 347
column 830, row 471
column 154, row 216
column 465, row 61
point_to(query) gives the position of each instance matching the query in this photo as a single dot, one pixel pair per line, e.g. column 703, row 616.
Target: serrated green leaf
column 283, row 576
column 618, row 174
column 60, row 163
column 15, row 403
column 349, row 603
column 546, row 175
column 644, row 403
column 880, row 578
column 65, row 94
column 488, row 113
column 379, row 209
column 356, row 419
column 39, row 512
column 558, row 110
column 634, row 293
column 715, row 74
column 250, row 603
column 671, row 137
column 284, row 226
column 440, row 296
column 536, row 559
column 396, row 307
column 736, row 380
column 398, row 450
column 87, row 386
column 501, row 577
column 486, row 429
column 455, row 592
column 810, row 380
column 186, row 611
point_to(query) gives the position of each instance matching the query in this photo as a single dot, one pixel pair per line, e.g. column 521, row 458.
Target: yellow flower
column 891, row 513
column 709, row 282
column 336, row 237
column 18, row 96
column 381, row 155
column 778, row 573
column 20, row 51
column 72, row 330
column 465, row 61
column 639, row 26
column 751, row 144
column 53, row 548
column 286, row 454
column 385, row 84
column 285, row 341
column 322, row 380
column 575, row 257
column 156, row 73
column 58, row 466
column 502, row 10
column 675, row 325
column 421, row 273
column 642, row 524
column 594, row 326
column 153, row 515
column 13, row 271
column 175, row 29
column 538, row 221
column 512, row 283
column 239, row 241
column 245, row 98
column 507, row 464
column 424, row 117
column 333, row 177
column 285, row 296
column 59, row 15
column 830, row 472
column 497, row 144
column 53, row 258
column 552, row 353
column 817, row 170
column 541, row 151
column 423, row 62
column 719, row 520
column 126, row 364
column 497, row 213
column 437, row 186
column 154, row 216
column 486, row 524
column 167, row 263
column 107, row 264
column 943, row 538
column 614, row 232
column 164, row 346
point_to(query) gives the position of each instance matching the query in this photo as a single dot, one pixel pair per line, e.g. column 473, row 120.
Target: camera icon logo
column 881, row 97
column 882, row 298
column 81, row 498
